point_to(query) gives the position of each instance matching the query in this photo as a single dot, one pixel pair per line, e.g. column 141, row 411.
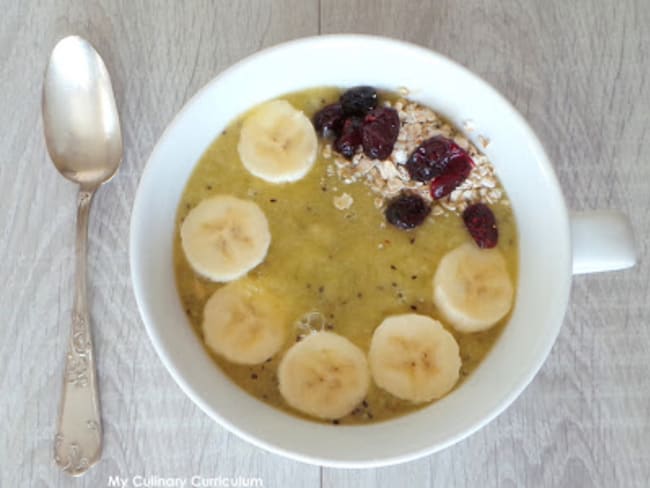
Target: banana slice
column 472, row 288
column 224, row 237
column 414, row 358
column 244, row 324
column 324, row 375
column 277, row 142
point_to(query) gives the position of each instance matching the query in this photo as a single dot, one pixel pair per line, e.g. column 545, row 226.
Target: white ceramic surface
column 524, row 169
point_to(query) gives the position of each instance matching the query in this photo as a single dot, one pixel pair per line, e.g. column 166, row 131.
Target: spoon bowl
column 80, row 119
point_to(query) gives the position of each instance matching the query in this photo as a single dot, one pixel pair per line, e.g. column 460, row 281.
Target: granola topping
column 388, row 178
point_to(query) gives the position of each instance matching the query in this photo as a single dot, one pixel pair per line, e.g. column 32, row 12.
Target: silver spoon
column 83, row 137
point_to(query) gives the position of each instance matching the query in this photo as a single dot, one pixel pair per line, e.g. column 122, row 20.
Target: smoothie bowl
column 347, row 261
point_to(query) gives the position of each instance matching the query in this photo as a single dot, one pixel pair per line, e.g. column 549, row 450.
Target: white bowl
column 523, row 167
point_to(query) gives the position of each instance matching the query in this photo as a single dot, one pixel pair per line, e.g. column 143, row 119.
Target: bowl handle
column 602, row 240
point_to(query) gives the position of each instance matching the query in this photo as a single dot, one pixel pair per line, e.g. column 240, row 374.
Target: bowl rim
column 188, row 389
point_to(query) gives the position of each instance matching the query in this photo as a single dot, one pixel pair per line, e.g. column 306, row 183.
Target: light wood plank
column 576, row 71
column 159, row 54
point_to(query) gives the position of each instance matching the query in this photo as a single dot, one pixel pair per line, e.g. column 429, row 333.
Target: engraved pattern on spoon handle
column 78, row 440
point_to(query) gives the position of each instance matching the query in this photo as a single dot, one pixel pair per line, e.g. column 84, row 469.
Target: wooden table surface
column 577, row 70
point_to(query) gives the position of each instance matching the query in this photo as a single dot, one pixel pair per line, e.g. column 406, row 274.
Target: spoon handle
column 78, row 440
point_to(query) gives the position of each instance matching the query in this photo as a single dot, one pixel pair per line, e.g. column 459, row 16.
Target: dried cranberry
column 328, row 121
column 431, row 157
column 379, row 132
column 407, row 211
column 350, row 138
column 359, row 100
column 482, row 225
column 456, row 171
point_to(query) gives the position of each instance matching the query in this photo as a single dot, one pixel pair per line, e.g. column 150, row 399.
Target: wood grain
column 576, row 70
